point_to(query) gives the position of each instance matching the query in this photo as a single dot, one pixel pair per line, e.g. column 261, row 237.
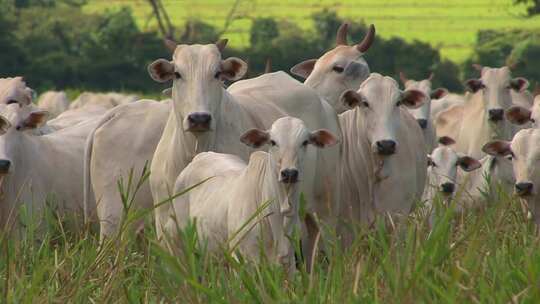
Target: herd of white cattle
column 352, row 142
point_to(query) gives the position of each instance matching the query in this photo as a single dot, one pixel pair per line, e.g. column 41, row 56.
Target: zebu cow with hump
column 233, row 191
column 35, row 169
column 524, row 149
column 423, row 113
column 481, row 118
column 384, row 163
column 53, row 102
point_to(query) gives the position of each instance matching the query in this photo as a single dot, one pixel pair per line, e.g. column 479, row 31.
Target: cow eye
column 338, row 69
column 305, row 143
column 365, row 104
column 177, row 75
column 11, row 101
column 273, row 143
column 218, row 73
column 398, row 103
column 533, row 120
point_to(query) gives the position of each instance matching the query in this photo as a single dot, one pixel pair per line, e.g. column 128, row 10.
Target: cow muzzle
column 4, row 166
column 386, row 147
column 422, row 123
column 199, row 122
column 524, row 188
column 288, row 176
column 496, row 115
column 448, row 188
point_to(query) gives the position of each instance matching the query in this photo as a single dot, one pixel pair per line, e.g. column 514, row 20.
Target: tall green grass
column 489, row 256
column 449, row 25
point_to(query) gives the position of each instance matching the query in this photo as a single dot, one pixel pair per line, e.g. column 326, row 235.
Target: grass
column 485, row 257
column 450, row 26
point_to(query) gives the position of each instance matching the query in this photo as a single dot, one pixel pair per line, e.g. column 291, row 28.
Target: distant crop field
column 450, row 26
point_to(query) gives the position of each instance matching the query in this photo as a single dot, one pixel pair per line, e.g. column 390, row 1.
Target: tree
column 533, row 6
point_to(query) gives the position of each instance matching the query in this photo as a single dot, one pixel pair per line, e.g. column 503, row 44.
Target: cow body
column 53, row 102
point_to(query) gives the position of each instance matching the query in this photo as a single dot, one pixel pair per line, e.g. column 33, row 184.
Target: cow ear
column 322, row 138
column 34, row 120
column 468, row 163
column 519, row 84
column 233, row 68
column 304, row 68
column 4, row 125
column 497, row 148
column 255, row 138
column 167, row 92
column 474, row 85
column 30, row 95
column 518, row 115
column 352, row 99
column 161, row 70
column 412, row 98
column 439, row 93
column 446, row 141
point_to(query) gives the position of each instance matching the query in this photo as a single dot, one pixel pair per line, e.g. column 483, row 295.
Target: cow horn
column 403, row 77
column 170, row 44
column 221, row 44
column 268, row 65
column 365, row 44
column 341, row 36
column 431, row 75
column 536, row 90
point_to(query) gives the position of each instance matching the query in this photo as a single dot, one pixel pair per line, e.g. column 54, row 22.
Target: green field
column 448, row 25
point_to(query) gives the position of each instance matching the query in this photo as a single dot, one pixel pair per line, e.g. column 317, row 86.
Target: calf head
column 495, row 84
column 340, row 69
column 14, row 90
column 443, row 163
column 197, row 73
column 380, row 100
column 524, row 149
column 422, row 114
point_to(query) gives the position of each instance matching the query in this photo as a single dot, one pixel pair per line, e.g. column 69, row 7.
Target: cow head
column 495, row 84
column 197, row 73
column 422, row 114
column 14, row 90
column 519, row 115
column 524, row 150
column 443, row 163
column 380, row 100
column 288, row 139
column 340, row 69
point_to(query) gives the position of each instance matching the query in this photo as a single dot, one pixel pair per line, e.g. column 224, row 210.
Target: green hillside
column 448, row 25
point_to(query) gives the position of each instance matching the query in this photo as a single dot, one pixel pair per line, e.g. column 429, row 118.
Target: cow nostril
column 4, row 166
column 448, row 188
column 496, row 114
column 289, row 175
column 422, row 123
column 524, row 188
column 386, row 147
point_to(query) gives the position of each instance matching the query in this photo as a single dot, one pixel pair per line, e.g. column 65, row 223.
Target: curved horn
column 341, row 36
column 221, row 44
column 365, row 44
column 402, row 77
column 536, row 90
column 430, row 78
column 170, row 44
column 268, row 65
column 477, row 67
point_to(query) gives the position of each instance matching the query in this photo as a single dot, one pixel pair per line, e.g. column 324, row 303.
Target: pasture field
column 450, row 26
column 485, row 257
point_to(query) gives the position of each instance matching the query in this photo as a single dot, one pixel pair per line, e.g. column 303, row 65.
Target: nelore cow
column 481, row 118
column 233, row 192
column 524, row 149
column 423, row 113
column 384, row 163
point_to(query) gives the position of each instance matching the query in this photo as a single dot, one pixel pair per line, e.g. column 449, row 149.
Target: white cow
column 38, row 168
column 236, row 191
column 107, row 100
column 340, row 69
column 54, row 102
column 445, row 102
column 384, row 163
column 423, row 113
column 525, row 152
column 481, row 117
